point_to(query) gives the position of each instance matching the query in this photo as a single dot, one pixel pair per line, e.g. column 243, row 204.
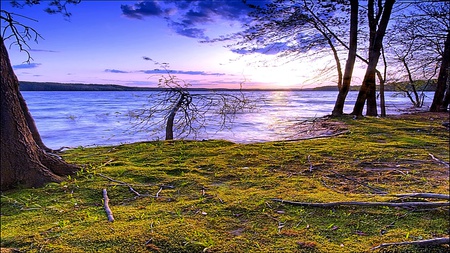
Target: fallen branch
column 356, row 203
column 434, row 241
column 320, row 136
column 106, row 205
column 424, row 195
column 439, row 160
column 121, row 183
column 378, row 191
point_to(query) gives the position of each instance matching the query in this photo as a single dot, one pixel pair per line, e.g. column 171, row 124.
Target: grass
column 215, row 196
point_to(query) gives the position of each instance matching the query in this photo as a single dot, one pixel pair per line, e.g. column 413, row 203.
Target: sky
column 105, row 42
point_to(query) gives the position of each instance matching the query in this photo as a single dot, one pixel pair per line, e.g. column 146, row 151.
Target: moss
column 215, row 196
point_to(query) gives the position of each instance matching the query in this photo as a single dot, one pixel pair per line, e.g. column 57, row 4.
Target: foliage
column 214, row 196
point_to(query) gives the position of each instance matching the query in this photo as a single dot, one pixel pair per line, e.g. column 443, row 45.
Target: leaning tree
column 183, row 112
column 25, row 160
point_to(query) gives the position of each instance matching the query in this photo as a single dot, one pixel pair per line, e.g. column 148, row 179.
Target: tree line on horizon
column 370, row 32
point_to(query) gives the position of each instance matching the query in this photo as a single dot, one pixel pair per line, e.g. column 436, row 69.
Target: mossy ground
column 215, row 196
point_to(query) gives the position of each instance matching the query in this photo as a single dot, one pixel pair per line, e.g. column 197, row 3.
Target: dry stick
column 356, row 203
column 157, row 194
column 434, row 241
column 320, row 136
column 439, row 160
column 356, row 181
column 310, row 164
column 424, row 195
column 106, row 205
column 122, row 183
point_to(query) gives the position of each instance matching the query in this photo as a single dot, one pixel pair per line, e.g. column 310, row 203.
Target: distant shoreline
column 51, row 86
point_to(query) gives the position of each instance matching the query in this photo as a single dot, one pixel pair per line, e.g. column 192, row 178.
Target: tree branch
column 434, row 241
column 356, row 203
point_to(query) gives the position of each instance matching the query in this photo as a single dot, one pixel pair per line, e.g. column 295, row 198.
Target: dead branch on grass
column 424, row 195
column 121, row 183
column 106, row 206
column 439, row 160
column 434, row 241
column 357, row 203
column 378, row 191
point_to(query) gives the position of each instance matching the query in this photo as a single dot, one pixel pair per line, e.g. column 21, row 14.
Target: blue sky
column 104, row 42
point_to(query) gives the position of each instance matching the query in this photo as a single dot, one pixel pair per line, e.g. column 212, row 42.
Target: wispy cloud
column 27, row 66
column 181, row 72
column 43, row 50
column 270, row 49
column 116, row 71
column 163, row 71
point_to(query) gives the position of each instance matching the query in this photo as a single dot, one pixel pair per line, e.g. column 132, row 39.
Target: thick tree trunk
column 367, row 91
column 23, row 162
column 440, row 101
column 345, row 87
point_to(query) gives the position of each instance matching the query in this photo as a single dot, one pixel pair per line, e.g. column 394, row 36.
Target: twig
column 356, row 203
column 106, row 205
column 310, row 164
column 424, row 195
column 121, row 183
column 157, row 194
column 439, row 160
column 360, row 183
column 320, row 136
column 434, row 241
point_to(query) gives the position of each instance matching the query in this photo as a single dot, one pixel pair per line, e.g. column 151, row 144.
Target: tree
column 378, row 22
column 442, row 93
column 416, row 47
column 24, row 158
column 182, row 112
column 353, row 44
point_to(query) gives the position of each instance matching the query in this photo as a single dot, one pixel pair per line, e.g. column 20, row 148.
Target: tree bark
column 367, row 91
column 441, row 101
column 23, row 161
column 171, row 117
column 345, row 87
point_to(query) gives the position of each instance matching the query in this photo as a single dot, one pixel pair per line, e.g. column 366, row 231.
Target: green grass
column 216, row 195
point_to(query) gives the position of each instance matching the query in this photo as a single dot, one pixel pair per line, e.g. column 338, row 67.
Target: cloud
column 116, row 71
column 270, row 49
column 163, row 71
column 142, row 9
column 43, row 50
column 185, row 16
column 181, row 72
column 27, row 66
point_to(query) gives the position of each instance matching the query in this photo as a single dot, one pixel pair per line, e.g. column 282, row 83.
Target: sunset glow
column 104, row 42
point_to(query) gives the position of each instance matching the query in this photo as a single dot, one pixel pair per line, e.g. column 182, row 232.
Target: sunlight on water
column 105, row 118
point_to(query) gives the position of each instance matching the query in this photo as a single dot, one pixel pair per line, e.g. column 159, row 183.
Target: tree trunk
column 440, row 101
column 23, row 162
column 367, row 91
column 171, row 117
column 345, row 87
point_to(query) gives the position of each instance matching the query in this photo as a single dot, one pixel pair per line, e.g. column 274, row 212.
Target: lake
column 91, row 118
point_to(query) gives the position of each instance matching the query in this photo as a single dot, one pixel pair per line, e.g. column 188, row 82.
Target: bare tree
column 184, row 112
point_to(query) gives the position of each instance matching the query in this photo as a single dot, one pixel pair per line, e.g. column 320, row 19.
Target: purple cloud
column 142, row 9
column 162, row 71
column 27, row 66
column 184, row 16
column 116, row 71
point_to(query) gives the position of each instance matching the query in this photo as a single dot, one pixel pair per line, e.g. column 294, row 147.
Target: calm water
column 103, row 118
